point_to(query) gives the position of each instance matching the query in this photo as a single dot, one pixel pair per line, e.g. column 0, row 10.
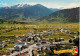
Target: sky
column 59, row 4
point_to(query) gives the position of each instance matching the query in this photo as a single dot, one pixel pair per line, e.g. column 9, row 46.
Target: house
column 2, row 45
column 53, row 32
column 62, row 30
column 56, row 43
column 43, row 48
column 3, row 42
column 17, row 37
column 43, row 41
column 31, row 42
column 49, row 33
column 61, row 39
column 19, row 45
column 25, row 54
column 30, row 37
column 35, row 53
column 38, row 42
column 10, row 49
column 8, row 40
column 48, row 48
column 38, row 38
column 17, row 48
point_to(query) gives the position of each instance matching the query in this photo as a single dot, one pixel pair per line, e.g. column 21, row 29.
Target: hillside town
column 33, row 44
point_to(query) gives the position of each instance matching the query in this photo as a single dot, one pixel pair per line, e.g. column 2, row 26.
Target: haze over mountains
column 25, row 12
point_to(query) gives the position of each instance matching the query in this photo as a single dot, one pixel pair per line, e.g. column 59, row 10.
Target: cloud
column 55, row 5
column 3, row 4
column 61, row 5
column 72, row 5
column 49, row 4
column 52, row 4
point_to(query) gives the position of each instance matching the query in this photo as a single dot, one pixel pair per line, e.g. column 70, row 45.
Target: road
column 30, row 48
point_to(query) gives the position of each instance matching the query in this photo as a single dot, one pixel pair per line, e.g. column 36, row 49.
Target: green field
column 20, row 29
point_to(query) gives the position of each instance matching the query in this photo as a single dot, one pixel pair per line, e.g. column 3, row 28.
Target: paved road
column 30, row 48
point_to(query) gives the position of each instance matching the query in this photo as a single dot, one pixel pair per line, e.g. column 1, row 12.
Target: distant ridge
column 65, row 15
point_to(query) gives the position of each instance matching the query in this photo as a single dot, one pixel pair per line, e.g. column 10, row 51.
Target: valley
column 35, row 30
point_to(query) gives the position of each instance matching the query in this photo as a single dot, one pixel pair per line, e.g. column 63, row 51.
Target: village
column 39, row 44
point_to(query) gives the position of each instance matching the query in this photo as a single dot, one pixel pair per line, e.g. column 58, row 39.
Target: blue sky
column 47, row 3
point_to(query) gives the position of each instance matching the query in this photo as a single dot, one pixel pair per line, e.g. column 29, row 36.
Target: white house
column 19, row 45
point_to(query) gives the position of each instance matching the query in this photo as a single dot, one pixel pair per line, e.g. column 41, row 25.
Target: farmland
column 7, row 29
column 10, row 31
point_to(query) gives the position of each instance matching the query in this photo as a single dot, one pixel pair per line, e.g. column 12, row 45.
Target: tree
column 70, row 41
column 65, row 54
column 56, row 40
column 76, row 41
column 67, row 47
column 1, row 21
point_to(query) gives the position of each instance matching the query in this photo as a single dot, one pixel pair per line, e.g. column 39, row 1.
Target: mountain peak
column 39, row 5
column 21, row 5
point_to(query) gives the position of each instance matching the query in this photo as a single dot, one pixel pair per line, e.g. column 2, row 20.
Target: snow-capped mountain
column 24, row 12
column 21, row 6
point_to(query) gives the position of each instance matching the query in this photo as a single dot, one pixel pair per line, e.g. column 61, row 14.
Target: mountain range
column 65, row 15
column 38, row 13
column 25, row 12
